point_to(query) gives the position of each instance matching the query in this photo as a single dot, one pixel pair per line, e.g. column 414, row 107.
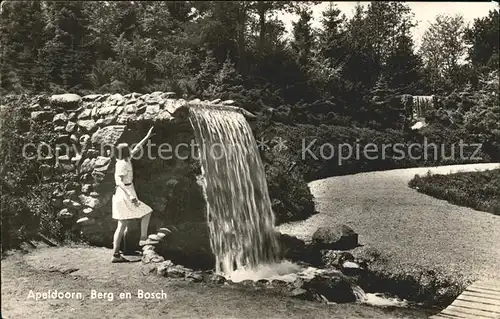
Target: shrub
column 26, row 194
column 291, row 198
column 477, row 190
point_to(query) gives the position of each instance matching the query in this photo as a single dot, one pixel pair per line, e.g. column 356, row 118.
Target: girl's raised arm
column 142, row 142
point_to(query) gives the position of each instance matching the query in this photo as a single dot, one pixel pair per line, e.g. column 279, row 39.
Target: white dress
column 122, row 206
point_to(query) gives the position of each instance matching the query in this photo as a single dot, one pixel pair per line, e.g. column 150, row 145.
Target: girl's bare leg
column 144, row 226
column 125, row 239
column 118, row 236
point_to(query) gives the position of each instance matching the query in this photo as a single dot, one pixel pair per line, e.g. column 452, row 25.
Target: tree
column 386, row 109
column 332, row 36
column 387, row 22
column 66, row 54
column 403, row 66
column 23, row 36
column 442, row 51
column 303, row 39
column 482, row 39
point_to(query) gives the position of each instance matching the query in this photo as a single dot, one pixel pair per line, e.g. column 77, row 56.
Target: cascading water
column 421, row 104
column 239, row 214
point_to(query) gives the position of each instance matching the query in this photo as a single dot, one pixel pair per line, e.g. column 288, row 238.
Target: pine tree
column 23, row 36
column 386, row 108
column 303, row 39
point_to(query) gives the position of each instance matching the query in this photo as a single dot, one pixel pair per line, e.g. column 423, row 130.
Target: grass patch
column 477, row 190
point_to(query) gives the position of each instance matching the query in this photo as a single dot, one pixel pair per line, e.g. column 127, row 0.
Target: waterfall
column 239, row 214
column 421, row 104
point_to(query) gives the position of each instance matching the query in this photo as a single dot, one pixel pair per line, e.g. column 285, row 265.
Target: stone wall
column 91, row 126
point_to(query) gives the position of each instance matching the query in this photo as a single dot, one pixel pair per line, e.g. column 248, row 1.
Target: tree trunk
column 262, row 24
column 242, row 62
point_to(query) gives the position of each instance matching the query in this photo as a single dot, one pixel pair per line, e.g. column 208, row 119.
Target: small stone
column 94, row 194
column 90, row 201
column 115, row 97
column 57, row 193
column 71, row 193
column 65, row 214
column 130, row 109
column 148, row 247
column 299, row 293
column 195, row 101
column 71, row 203
column 160, row 236
column 162, row 267
column 59, row 128
column 86, row 221
column 106, row 110
column 168, row 95
column 93, row 112
column 215, row 101
column 154, row 237
column 87, row 165
column 60, row 118
column 86, row 188
column 41, row 115
column 228, row 102
column 102, row 98
column 87, row 210
column 91, row 97
column 164, row 115
column 176, row 271
column 109, row 120
column 195, row 276
column 217, row 279
column 87, row 125
column 150, row 256
column 102, row 163
column 84, row 139
column 127, row 118
column 141, row 109
column 335, row 237
column 70, row 127
column 153, row 109
column 164, row 230
column 85, row 114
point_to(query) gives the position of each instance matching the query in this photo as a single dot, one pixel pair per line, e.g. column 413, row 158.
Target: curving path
column 413, row 228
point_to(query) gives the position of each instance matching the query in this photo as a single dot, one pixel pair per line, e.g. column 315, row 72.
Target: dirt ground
column 82, row 269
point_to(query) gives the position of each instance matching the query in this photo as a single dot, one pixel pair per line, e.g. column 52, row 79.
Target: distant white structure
column 418, row 125
column 421, row 103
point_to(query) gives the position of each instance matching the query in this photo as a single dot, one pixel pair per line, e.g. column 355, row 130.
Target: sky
column 425, row 12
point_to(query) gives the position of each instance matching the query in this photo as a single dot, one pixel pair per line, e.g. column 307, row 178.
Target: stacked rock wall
column 89, row 127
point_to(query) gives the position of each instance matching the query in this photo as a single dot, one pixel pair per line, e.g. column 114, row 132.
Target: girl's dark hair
column 122, row 152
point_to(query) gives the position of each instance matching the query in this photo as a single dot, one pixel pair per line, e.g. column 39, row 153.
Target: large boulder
column 333, row 286
column 339, row 237
column 295, row 249
column 67, row 101
column 108, row 136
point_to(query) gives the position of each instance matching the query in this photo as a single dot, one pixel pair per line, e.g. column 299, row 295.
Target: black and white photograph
column 250, row 159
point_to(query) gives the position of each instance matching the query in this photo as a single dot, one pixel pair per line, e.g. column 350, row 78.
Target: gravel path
column 413, row 228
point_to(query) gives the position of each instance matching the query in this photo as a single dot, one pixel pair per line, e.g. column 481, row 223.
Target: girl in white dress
column 125, row 205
